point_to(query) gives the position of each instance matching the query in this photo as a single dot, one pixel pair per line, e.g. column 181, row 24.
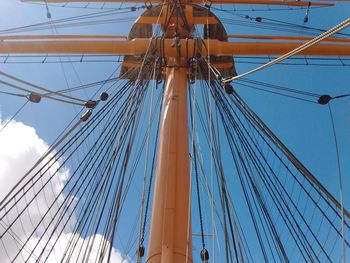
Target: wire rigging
column 71, row 144
column 295, row 51
column 340, row 183
column 68, row 22
column 310, row 244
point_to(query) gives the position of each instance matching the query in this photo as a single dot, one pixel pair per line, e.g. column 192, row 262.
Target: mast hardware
column 208, row 4
column 104, row 96
column 86, row 115
column 324, row 99
column 33, row 97
column 90, row 104
column 141, row 251
column 204, row 255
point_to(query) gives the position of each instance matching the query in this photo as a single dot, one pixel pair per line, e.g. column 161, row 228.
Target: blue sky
column 304, row 127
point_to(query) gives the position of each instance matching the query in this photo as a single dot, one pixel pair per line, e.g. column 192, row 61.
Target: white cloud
column 79, row 255
column 20, row 148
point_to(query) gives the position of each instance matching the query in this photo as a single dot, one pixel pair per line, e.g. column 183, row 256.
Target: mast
column 170, row 235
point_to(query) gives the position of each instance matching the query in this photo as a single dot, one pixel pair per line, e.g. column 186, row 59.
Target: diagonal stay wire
column 38, row 87
column 4, row 202
column 295, row 51
column 42, row 95
column 62, row 135
column 62, row 189
column 65, row 146
column 273, row 188
column 236, row 99
column 12, row 118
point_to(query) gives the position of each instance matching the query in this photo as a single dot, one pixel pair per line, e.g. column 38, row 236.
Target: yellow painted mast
column 170, row 237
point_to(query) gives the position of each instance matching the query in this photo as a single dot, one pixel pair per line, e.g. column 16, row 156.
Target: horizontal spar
column 219, row 48
column 249, row 2
column 291, row 38
column 164, row 47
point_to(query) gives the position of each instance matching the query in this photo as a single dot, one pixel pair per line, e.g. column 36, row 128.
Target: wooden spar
column 139, row 46
column 292, row 38
column 170, row 234
column 115, row 37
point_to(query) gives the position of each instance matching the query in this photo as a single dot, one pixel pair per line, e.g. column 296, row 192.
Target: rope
column 47, row 153
column 210, row 132
column 38, row 87
column 41, row 95
column 192, row 101
column 14, row 115
column 141, row 233
column 63, row 207
column 340, row 184
column 295, row 51
column 236, row 99
column 271, row 188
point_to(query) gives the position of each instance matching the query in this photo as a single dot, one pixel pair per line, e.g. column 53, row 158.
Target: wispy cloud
column 20, row 148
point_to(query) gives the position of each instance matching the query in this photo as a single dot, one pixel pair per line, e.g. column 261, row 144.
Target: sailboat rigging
column 171, row 158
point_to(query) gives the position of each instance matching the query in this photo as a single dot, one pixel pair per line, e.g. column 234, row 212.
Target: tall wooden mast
column 170, row 236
